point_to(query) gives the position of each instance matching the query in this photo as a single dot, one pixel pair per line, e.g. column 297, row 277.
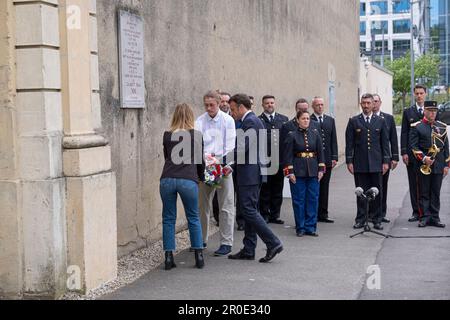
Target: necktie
column 271, row 118
column 421, row 112
column 368, row 120
column 321, row 120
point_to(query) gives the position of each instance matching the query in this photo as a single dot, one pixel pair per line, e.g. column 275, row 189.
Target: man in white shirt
column 219, row 135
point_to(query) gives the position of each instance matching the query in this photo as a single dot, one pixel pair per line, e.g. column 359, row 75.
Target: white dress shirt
column 219, row 133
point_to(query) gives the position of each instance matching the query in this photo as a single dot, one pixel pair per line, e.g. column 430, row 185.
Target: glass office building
column 440, row 36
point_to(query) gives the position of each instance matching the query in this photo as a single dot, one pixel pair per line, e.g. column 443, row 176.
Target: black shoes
column 326, row 220
column 276, row 221
column 422, row 224
column 358, row 225
column 170, row 262
column 199, row 261
column 386, row 220
column 271, row 253
column 437, row 224
column 413, row 219
column 378, row 226
column 311, row 234
column 241, row 255
column 300, row 234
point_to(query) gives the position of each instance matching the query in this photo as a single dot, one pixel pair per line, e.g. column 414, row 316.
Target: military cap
column 431, row 105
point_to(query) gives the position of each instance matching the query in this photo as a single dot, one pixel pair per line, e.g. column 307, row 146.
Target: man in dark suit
column 330, row 147
column 367, row 155
column 393, row 142
column 248, row 175
column 271, row 197
column 410, row 116
column 429, row 142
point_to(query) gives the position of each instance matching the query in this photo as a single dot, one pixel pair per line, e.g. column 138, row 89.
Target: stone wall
column 287, row 48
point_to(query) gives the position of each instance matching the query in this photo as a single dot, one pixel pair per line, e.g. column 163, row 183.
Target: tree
column 426, row 68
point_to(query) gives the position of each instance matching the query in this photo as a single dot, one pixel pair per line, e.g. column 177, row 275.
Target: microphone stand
column 367, row 227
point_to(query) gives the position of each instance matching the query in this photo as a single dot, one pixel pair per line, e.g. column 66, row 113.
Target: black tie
column 321, row 120
column 271, row 118
column 421, row 112
column 368, row 120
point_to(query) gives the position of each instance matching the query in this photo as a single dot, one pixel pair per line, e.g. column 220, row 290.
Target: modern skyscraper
column 440, row 36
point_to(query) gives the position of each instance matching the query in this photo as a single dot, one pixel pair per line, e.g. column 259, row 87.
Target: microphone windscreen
column 375, row 191
column 359, row 191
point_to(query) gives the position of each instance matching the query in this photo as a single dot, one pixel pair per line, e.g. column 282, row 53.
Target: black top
column 273, row 128
column 306, row 141
column 421, row 142
column 329, row 138
column 190, row 164
column 367, row 145
column 392, row 133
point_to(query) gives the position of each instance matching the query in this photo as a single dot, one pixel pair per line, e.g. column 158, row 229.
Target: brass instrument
column 432, row 153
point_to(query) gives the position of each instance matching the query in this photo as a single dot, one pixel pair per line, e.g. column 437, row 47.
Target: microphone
column 360, row 192
column 372, row 193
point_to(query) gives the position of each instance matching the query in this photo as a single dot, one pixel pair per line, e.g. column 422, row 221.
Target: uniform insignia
column 358, row 130
column 413, row 125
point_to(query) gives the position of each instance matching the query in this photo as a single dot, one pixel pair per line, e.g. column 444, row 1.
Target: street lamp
column 413, row 34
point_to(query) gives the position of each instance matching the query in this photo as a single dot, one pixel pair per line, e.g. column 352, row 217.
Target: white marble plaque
column 131, row 60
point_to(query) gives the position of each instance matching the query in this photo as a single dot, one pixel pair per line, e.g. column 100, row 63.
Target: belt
column 306, row 155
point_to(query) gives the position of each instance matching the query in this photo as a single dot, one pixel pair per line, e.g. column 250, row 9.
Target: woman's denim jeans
column 188, row 190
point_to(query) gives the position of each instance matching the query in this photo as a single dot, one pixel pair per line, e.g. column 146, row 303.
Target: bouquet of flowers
column 214, row 171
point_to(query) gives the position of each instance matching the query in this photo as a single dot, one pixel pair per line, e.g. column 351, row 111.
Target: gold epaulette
column 413, row 125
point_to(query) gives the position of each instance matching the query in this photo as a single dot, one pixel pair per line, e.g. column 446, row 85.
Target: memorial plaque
column 131, row 60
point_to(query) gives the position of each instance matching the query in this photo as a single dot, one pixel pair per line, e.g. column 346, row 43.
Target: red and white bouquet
column 214, row 171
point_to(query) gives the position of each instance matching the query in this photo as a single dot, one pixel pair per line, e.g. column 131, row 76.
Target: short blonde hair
column 183, row 118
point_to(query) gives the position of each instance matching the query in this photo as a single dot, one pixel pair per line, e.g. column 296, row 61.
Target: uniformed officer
column 305, row 167
column 429, row 143
column 393, row 143
column 410, row 116
column 271, row 196
column 367, row 156
column 330, row 147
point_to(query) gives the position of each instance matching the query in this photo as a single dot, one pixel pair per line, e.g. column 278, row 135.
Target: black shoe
column 271, row 253
column 241, row 227
column 413, row 219
column 437, row 224
column 422, row 224
column 276, row 221
column 386, row 220
column 358, row 225
column 326, row 220
column 300, row 234
column 205, row 245
column 170, row 262
column 199, row 261
column 378, row 226
column 311, row 234
column 241, row 256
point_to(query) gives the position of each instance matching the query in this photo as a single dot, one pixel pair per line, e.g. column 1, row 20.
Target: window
column 379, row 27
column 378, row 7
column 362, row 9
column 379, row 45
column 402, row 26
column 362, row 28
column 402, row 45
column 362, row 46
column 401, row 6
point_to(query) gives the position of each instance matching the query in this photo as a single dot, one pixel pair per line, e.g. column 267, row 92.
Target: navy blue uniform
column 304, row 157
column 271, row 197
column 410, row 117
column 367, row 148
column 393, row 142
column 330, row 148
column 429, row 185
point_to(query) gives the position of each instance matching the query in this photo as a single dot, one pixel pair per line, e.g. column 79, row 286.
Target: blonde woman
column 183, row 169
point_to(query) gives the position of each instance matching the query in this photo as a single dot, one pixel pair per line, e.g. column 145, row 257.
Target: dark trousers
column 385, row 192
column 429, row 201
column 239, row 216
column 323, row 196
column 367, row 181
column 216, row 208
column 413, row 180
column 271, row 197
column 254, row 223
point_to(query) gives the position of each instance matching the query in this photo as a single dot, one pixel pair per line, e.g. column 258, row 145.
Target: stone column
column 91, row 189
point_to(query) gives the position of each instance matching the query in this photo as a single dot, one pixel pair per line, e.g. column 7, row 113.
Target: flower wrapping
column 214, row 171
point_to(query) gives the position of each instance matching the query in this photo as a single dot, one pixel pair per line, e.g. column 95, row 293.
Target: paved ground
column 332, row 266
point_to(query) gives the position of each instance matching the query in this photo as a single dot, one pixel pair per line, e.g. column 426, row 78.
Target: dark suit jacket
column 329, row 139
column 392, row 133
column 247, row 173
column 271, row 127
column 421, row 142
column 367, row 146
column 410, row 116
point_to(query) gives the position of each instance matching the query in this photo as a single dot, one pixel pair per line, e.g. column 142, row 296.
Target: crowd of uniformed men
column 308, row 153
